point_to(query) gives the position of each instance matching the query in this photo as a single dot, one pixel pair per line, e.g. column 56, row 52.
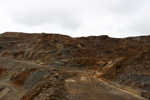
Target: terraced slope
column 37, row 66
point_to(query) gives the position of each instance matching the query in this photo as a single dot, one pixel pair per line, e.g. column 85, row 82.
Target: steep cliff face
column 126, row 60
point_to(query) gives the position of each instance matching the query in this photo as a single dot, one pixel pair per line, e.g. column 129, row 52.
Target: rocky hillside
column 122, row 60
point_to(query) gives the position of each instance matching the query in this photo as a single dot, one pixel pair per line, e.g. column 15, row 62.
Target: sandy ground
column 86, row 87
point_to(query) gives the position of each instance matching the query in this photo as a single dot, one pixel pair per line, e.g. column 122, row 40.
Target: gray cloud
column 35, row 13
column 117, row 18
column 141, row 26
column 126, row 6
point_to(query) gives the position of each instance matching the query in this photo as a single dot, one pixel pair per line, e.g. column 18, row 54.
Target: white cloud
column 34, row 13
column 119, row 18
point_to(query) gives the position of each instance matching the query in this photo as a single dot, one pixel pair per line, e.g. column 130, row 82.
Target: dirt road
column 86, row 87
column 81, row 86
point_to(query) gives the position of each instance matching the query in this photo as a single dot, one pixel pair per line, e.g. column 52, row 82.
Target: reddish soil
column 125, row 61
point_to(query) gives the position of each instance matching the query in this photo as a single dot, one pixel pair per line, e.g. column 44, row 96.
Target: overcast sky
column 116, row 18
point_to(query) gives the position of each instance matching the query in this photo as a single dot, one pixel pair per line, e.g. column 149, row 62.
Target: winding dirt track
column 86, row 87
column 83, row 86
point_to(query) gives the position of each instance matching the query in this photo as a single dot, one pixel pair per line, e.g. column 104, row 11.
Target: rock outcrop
column 125, row 61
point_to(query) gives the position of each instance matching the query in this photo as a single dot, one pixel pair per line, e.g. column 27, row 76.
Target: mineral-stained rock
column 32, row 66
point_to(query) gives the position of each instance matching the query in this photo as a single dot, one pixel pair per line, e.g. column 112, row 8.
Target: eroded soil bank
column 58, row 67
column 24, row 80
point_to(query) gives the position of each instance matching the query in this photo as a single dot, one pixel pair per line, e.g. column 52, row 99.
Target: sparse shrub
column 1, row 47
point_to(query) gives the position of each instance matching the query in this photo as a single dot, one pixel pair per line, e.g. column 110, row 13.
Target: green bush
column 1, row 47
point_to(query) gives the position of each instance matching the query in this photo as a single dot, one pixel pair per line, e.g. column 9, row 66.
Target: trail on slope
column 86, row 87
column 10, row 91
column 83, row 86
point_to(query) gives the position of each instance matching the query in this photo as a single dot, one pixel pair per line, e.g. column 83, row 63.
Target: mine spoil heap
column 38, row 66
